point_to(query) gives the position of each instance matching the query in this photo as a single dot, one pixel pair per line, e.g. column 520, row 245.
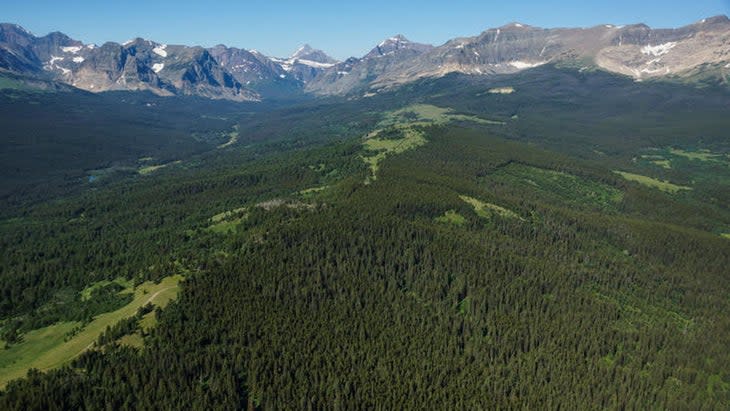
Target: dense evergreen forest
column 565, row 246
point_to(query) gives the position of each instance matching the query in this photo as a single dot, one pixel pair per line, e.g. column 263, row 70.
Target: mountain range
column 696, row 52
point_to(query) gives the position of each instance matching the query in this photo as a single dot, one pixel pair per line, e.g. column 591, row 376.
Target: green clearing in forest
column 380, row 148
column 665, row 186
column 701, row 155
column 135, row 339
column 227, row 221
column 151, row 169
column 232, row 138
column 557, row 186
column 487, row 210
column 86, row 292
column 402, row 121
column 226, row 227
column 658, row 161
column 451, row 217
column 313, row 191
column 429, row 114
column 665, row 164
column 227, row 214
column 46, row 348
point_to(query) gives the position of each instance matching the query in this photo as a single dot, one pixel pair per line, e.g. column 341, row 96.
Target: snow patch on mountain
column 78, row 59
column 314, row 64
column 658, row 50
column 160, row 50
column 157, row 67
column 391, row 40
column 301, row 50
column 521, row 65
column 74, row 49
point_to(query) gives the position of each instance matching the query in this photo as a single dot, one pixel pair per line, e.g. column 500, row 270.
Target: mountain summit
column 696, row 52
column 396, row 44
column 309, row 54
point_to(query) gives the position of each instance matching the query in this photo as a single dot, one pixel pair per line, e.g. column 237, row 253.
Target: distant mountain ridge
column 701, row 49
column 636, row 51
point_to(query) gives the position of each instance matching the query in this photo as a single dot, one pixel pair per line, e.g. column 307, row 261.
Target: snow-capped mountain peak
column 309, row 54
column 395, row 44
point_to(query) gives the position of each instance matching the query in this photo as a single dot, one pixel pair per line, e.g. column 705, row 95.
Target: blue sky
column 341, row 28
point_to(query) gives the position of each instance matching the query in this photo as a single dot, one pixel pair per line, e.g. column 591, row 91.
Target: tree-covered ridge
column 561, row 285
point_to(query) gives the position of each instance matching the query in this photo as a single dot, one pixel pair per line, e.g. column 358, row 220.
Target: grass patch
column 227, row 214
column 665, row 186
column 488, row 210
column 45, row 348
column 501, row 90
column 464, row 306
column 227, row 221
column 132, row 340
column 556, row 187
column 384, row 147
column 701, row 155
column 86, row 292
column 657, row 160
column 451, row 217
column 151, row 169
column 225, row 227
column 402, row 121
column 311, row 192
column 666, row 164
column 232, row 138
column 725, row 235
column 429, row 114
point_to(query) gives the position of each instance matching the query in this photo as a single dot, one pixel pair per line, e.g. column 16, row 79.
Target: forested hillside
column 558, row 240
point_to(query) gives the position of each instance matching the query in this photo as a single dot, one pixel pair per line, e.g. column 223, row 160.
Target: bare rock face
column 355, row 73
column 135, row 65
column 306, row 64
column 248, row 67
column 637, row 51
column 307, row 53
column 696, row 52
column 644, row 53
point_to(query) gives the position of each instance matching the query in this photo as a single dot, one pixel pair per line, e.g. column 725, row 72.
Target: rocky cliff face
column 135, row 65
column 306, row 64
column 637, row 51
column 253, row 69
column 357, row 73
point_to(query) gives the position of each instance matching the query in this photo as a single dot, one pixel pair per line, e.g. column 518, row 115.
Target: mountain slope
column 698, row 52
column 354, row 73
column 259, row 72
column 637, row 51
column 306, row 63
column 135, row 65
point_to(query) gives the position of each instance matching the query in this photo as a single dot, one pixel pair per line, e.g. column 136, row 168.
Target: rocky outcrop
column 135, row 65
column 357, row 73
